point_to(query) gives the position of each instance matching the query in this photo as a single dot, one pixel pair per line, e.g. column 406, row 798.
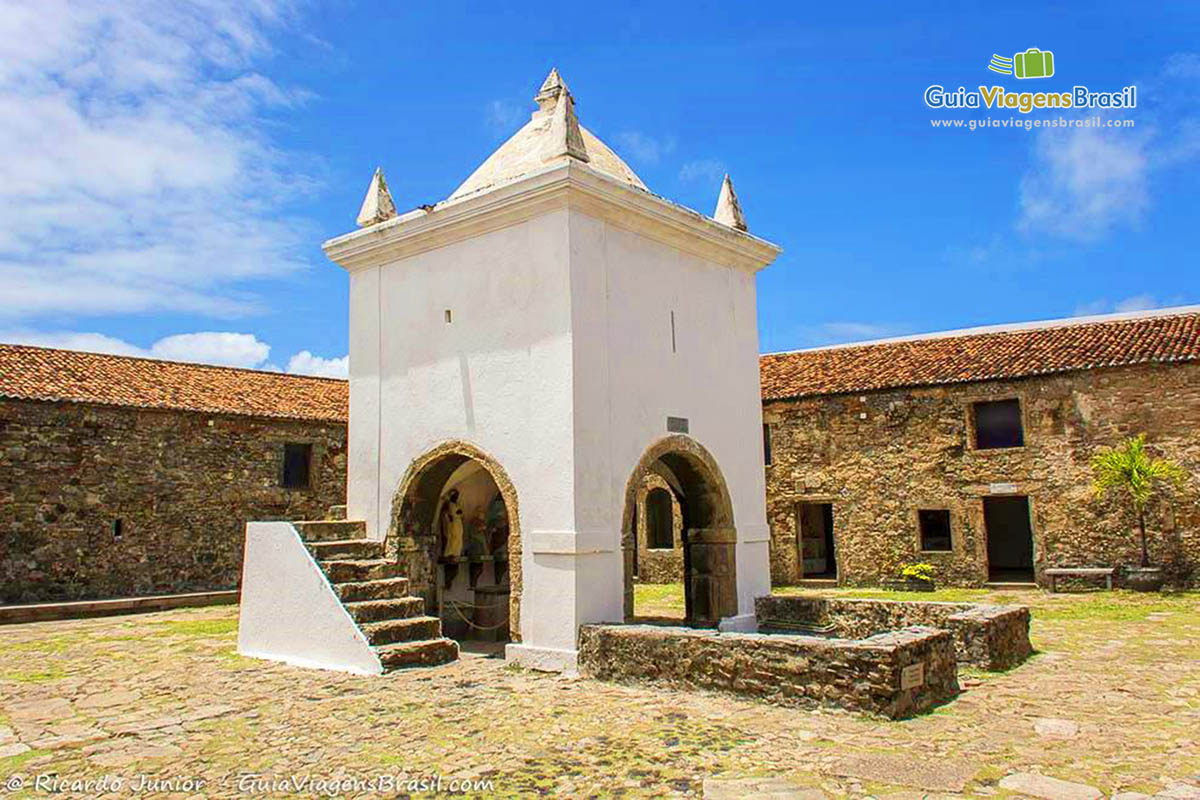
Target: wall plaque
column 677, row 425
column 912, row 676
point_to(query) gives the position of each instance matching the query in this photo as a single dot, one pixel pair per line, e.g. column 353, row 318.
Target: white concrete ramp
column 289, row 610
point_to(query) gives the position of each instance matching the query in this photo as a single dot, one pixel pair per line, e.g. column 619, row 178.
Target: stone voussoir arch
column 705, row 500
column 414, row 507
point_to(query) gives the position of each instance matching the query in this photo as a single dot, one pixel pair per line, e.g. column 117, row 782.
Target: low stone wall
column 892, row 675
column 660, row 566
column 987, row 636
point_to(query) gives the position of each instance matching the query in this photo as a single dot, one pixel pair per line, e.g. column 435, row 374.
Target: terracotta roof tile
column 992, row 355
column 38, row 373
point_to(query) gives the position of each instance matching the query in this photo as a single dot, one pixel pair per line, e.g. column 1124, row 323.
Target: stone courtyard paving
column 1112, row 701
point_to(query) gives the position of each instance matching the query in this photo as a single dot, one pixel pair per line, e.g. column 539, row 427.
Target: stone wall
column 801, row 671
column 987, row 636
column 881, row 456
column 659, row 565
column 182, row 484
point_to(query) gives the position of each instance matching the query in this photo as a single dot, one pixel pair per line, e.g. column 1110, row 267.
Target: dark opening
column 998, row 424
column 118, row 528
column 660, row 527
column 815, row 525
column 766, row 444
column 1009, row 538
column 296, row 461
column 935, row 528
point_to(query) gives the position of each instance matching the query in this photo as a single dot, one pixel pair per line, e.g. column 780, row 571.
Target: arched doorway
column 709, row 537
column 454, row 526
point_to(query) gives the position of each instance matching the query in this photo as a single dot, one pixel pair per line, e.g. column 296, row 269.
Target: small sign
column 677, row 425
column 912, row 676
column 1002, row 488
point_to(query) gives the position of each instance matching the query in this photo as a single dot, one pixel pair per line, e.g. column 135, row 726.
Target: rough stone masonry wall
column 183, row 485
column 881, row 456
column 659, row 565
column 988, row 636
column 801, row 671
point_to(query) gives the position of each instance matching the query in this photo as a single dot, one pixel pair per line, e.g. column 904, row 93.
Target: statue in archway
column 451, row 519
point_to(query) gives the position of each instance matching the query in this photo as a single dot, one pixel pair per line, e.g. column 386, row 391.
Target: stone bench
column 1054, row 573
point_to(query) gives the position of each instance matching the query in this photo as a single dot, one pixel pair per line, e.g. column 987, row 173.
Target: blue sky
column 168, row 172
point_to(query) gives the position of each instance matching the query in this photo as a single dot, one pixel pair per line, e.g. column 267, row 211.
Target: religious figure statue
column 451, row 519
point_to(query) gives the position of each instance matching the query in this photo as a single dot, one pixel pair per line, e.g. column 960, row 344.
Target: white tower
column 555, row 331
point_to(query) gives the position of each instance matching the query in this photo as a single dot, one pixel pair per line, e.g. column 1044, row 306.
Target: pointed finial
column 729, row 210
column 553, row 81
column 564, row 137
column 377, row 205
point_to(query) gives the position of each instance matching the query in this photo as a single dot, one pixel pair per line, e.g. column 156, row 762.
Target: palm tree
column 1130, row 471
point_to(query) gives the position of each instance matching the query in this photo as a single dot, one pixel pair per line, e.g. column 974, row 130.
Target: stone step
column 402, row 630
column 346, row 549
column 387, row 589
column 427, row 653
column 335, row 513
column 357, row 571
column 327, row 530
column 379, row 610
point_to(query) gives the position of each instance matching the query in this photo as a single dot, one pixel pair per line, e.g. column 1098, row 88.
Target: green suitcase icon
column 1034, row 63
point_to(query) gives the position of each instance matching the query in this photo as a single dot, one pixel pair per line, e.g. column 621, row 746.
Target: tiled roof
column 1018, row 352
column 38, row 373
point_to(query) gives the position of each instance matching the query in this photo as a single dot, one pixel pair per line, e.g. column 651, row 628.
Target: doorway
column 814, row 526
column 707, row 537
column 453, row 529
column 1009, row 539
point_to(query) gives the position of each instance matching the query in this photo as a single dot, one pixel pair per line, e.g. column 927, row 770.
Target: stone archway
column 709, row 535
column 412, row 537
column 658, row 528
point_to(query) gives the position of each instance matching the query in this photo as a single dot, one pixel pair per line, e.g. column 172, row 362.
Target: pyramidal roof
column 552, row 135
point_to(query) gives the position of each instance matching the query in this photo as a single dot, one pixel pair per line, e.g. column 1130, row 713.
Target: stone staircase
column 375, row 595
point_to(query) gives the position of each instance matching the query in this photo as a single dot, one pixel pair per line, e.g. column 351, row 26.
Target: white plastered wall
column 629, row 379
column 497, row 376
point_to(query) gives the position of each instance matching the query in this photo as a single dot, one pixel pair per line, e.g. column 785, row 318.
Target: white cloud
column 1084, row 182
column 305, row 363
column 67, row 340
column 504, row 116
column 135, row 171
column 206, row 347
column 228, row 349
column 1139, row 302
column 643, row 148
column 706, row 169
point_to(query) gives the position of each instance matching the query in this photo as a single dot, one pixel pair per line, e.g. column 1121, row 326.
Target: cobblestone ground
column 1111, row 701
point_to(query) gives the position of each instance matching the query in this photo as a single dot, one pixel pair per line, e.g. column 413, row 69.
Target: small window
column 766, row 444
column 118, row 528
column 660, row 525
column 296, row 461
column 998, row 424
column 935, row 529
